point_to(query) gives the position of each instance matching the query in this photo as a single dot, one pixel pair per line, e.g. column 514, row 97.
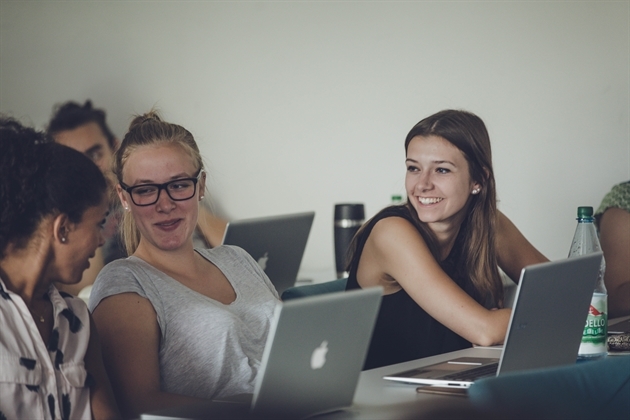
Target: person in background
column 51, row 219
column 84, row 128
column 437, row 256
column 178, row 323
column 613, row 221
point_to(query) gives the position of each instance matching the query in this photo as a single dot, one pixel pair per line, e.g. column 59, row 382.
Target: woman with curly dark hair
column 53, row 207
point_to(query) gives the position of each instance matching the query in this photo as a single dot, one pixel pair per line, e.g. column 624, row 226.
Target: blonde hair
column 147, row 130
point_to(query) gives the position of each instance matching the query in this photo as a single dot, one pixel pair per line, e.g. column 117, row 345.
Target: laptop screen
column 277, row 243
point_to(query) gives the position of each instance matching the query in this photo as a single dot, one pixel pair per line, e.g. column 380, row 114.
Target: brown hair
column 468, row 133
column 145, row 130
column 71, row 115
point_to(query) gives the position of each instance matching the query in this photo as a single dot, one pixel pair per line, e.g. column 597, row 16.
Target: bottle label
column 596, row 327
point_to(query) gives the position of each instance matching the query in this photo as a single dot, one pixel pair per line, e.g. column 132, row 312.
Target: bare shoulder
column 614, row 231
column 395, row 221
column 616, row 217
column 391, row 230
column 396, row 239
column 393, row 248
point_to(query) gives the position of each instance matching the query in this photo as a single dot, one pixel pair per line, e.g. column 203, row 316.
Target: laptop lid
column 548, row 321
column 314, row 353
column 276, row 242
column 545, row 327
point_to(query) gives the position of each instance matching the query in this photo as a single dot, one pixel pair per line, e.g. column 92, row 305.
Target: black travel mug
column 348, row 219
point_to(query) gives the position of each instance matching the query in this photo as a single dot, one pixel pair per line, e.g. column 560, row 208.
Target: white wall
column 301, row 105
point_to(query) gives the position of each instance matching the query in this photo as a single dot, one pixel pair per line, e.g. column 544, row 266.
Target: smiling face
column 167, row 224
column 438, row 181
column 78, row 242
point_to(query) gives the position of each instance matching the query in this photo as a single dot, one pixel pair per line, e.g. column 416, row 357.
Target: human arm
column 614, row 235
column 130, row 337
column 514, row 251
column 212, row 227
column 101, row 396
column 396, row 251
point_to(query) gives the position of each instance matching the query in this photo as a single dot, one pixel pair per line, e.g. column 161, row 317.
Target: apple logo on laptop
column 318, row 358
column 262, row 261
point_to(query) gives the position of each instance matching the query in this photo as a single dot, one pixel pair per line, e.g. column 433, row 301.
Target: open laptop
column 311, row 363
column 276, row 242
column 545, row 328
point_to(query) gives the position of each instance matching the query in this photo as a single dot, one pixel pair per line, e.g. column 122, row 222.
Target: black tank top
column 403, row 330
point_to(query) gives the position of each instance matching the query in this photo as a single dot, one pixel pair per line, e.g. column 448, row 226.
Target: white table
column 375, row 398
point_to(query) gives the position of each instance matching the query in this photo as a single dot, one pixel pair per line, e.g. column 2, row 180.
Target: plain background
column 298, row 105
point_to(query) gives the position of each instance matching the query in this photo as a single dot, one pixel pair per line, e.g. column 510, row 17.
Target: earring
column 63, row 239
column 476, row 191
column 127, row 208
column 201, row 196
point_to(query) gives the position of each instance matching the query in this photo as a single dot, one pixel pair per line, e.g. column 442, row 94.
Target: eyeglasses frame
column 161, row 187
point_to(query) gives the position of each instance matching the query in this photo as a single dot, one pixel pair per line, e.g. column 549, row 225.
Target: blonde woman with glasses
column 178, row 324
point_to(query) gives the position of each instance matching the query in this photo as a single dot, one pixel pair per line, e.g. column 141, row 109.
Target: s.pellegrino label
column 596, row 328
column 585, row 241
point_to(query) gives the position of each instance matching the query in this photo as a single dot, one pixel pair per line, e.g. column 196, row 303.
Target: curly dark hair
column 70, row 115
column 39, row 178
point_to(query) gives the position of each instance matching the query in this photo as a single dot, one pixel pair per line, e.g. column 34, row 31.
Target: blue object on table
column 296, row 292
column 593, row 390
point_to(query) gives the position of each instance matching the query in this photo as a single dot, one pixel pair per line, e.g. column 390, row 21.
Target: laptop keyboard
column 474, row 373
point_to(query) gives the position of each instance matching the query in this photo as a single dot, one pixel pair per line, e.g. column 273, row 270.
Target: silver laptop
column 311, row 363
column 315, row 352
column 545, row 329
column 276, row 242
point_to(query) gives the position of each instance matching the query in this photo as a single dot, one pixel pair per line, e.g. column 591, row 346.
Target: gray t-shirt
column 207, row 349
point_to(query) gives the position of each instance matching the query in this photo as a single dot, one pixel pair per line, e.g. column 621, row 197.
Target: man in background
column 84, row 128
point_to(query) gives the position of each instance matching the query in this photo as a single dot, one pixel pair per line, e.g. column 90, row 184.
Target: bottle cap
column 584, row 212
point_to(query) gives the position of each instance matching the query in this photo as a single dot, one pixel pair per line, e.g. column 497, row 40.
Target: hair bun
column 151, row 116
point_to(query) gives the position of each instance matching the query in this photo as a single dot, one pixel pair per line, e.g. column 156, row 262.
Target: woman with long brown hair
column 437, row 256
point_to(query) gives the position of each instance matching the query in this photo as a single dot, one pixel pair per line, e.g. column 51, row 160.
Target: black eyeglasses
column 178, row 190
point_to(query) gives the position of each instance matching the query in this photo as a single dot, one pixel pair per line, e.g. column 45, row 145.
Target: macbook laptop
column 311, row 363
column 545, row 328
column 315, row 353
column 276, row 242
